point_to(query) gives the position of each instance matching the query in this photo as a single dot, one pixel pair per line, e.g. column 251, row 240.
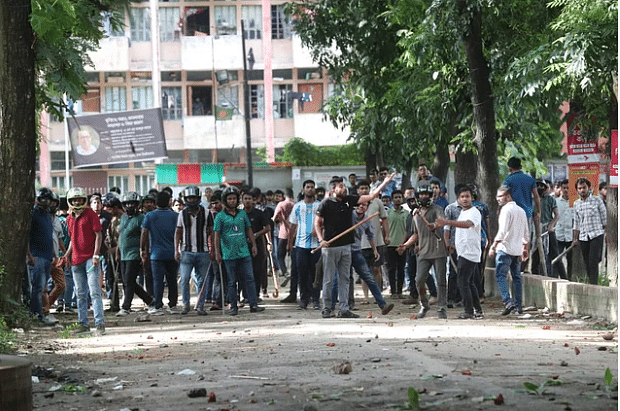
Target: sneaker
column 478, row 314
column 174, row 310
column 201, row 312
column 442, row 314
column 326, row 313
column 465, row 316
column 82, row 329
column 256, row 309
column 291, row 299
column 347, row 314
column 316, row 305
column 100, row 329
column 422, row 312
column 185, row 310
column 386, row 309
column 232, row 311
column 432, row 300
column 60, row 308
column 156, row 311
column 509, row 308
column 122, row 313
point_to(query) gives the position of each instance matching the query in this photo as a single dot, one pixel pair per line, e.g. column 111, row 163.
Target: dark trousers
column 592, row 252
column 412, row 269
column 130, row 269
column 465, row 280
column 305, row 263
column 554, row 251
column 165, row 269
column 282, row 242
column 396, row 270
column 563, row 245
column 259, row 267
column 454, row 296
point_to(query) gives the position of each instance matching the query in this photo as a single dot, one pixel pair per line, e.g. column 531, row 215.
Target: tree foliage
column 301, row 153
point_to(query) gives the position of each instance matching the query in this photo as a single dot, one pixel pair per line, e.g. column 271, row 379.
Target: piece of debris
column 602, row 348
column 142, row 318
column 526, row 316
column 95, row 393
column 608, row 336
column 375, row 360
column 466, row 372
column 211, row 397
column 577, row 351
column 369, row 315
column 564, row 364
column 331, row 344
column 48, row 395
column 344, row 368
column 197, row 392
column 186, row 371
column 499, row 400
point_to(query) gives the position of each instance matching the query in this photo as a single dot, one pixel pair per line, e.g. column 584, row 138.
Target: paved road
column 285, row 359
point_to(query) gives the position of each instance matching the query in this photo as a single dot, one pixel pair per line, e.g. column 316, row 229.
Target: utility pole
column 246, row 111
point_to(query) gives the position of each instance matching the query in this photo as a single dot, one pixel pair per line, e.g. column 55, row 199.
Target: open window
column 200, row 100
column 196, row 21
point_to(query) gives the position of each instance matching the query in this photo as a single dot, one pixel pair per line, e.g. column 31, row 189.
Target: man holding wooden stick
column 333, row 227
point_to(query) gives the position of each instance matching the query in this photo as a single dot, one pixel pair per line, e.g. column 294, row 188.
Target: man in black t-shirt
column 260, row 227
column 334, row 218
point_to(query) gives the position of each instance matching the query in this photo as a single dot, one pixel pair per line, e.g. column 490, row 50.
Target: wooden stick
column 562, row 254
column 345, row 232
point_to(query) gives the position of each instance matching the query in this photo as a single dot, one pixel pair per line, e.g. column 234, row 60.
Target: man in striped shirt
column 191, row 243
column 302, row 234
column 589, row 227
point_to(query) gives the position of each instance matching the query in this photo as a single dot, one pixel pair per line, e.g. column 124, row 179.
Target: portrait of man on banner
column 85, row 141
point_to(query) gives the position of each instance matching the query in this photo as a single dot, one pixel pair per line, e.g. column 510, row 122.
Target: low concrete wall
column 561, row 295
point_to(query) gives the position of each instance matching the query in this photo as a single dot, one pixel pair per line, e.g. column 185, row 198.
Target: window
column 197, row 21
column 252, row 22
column 200, row 100
column 121, row 182
column 115, row 99
column 280, row 23
column 143, row 184
column 282, row 104
column 171, row 103
column 257, row 101
column 140, row 22
column 58, row 184
column 228, row 96
column 169, row 24
column 142, row 97
column 58, row 160
column 225, row 20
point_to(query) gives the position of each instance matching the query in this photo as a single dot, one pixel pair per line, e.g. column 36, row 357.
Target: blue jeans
column 359, row 264
column 167, row 269
column 306, row 264
column 235, row 269
column 88, row 281
column 505, row 263
column 336, row 260
column 39, row 275
column 69, row 299
column 200, row 263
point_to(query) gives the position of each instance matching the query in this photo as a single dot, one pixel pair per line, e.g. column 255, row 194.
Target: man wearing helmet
column 233, row 230
column 191, row 242
column 40, row 253
column 430, row 247
column 129, row 229
column 84, row 254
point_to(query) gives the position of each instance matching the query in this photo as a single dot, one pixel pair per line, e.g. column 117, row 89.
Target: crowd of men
column 90, row 247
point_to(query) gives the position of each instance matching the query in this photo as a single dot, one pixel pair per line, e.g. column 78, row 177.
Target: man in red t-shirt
column 86, row 238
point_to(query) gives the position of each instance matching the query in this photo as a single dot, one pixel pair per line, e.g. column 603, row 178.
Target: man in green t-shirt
column 129, row 229
column 233, row 230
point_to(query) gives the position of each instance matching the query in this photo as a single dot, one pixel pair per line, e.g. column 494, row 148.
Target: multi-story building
column 186, row 56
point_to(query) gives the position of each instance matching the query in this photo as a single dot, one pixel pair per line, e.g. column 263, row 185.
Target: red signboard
column 613, row 171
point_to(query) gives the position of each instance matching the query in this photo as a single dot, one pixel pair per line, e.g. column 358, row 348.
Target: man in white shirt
column 564, row 231
column 510, row 247
column 468, row 247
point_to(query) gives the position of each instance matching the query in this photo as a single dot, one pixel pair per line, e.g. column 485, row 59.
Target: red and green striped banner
column 182, row 174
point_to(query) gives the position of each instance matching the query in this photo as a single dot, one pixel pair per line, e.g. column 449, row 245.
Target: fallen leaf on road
column 331, row 344
column 546, row 327
column 466, row 372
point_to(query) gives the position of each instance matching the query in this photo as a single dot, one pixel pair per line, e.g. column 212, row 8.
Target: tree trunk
column 612, row 206
column 441, row 162
column 484, row 114
column 18, row 139
column 465, row 168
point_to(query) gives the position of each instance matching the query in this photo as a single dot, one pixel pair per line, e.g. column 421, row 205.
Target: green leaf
column 609, row 377
column 531, row 387
column 414, row 399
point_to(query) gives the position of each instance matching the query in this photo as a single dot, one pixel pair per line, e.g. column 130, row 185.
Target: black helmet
column 45, row 193
column 149, row 197
column 111, row 200
column 131, row 197
column 55, row 197
column 230, row 190
column 191, row 191
column 424, row 189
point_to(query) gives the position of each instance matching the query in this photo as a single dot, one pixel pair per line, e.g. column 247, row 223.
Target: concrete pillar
column 15, row 383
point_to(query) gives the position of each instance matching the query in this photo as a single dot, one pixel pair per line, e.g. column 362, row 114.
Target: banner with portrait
column 114, row 138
